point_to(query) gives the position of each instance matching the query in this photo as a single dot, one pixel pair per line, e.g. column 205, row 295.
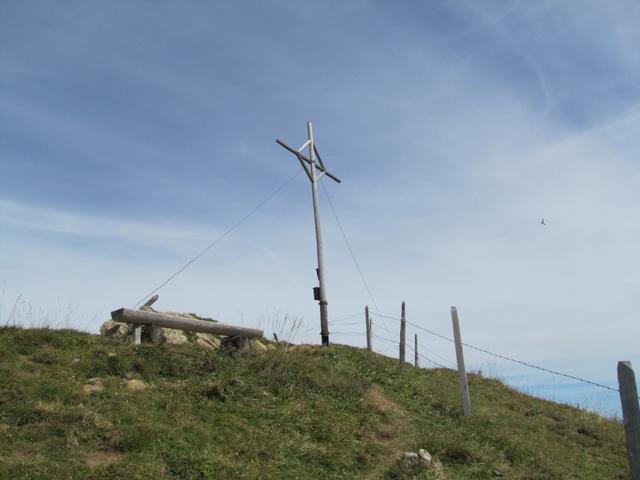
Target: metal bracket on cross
column 306, row 163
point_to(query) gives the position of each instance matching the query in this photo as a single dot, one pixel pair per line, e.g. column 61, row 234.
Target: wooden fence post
column 462, row 373
column 403, row 333
column 630, row 416
column 367, row 320
column 415, row 350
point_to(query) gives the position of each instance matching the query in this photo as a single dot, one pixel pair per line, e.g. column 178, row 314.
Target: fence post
column 630, row 416
column 403, row 333
column 367, row 320
column 415, row 350
column 462, row 373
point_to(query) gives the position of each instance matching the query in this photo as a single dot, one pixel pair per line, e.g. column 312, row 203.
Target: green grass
column 305, row 412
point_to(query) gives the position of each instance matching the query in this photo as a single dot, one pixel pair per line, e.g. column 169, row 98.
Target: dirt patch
column 397, row 429
column 376, row 398
column 394, row 430
column 46, row 407
column 136, row 385
column 93, row 385
column 96, row 459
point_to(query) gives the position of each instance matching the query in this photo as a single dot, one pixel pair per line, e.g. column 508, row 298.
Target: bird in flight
column 542, row 222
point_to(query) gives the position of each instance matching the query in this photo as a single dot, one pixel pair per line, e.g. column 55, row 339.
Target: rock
column 115, row 329
column 409, row 459
column 208, row 340
column 136, row 385
column 191, row 315
column 171, row 336
column 413, row 459
column 425, row 457
column 159, row 335
column 258, row 346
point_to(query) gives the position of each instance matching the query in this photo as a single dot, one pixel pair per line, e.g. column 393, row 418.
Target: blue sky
column 133, row 133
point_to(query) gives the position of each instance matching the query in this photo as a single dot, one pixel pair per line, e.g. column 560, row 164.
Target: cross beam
column 304, row 160
column 311, row 167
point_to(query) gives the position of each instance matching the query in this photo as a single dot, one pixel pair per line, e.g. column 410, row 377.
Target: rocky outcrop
column 160, row 335
column 116, row 329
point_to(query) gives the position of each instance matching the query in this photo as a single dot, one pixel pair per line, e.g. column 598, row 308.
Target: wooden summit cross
column 311, row 167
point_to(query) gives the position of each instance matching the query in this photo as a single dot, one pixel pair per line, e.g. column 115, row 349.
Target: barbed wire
column 444, row 359
column 345, row 324
column 543, row 369
column 510, row 359
column 411, row 347
column 349, row 317
column 424, row 357
column 420, row 327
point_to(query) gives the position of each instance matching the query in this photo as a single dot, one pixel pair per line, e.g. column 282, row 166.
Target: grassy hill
column 78, row 406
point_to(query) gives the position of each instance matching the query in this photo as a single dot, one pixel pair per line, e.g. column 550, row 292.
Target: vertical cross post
column 403, row 334
column 415, row 350
column 462, row 373
column 312, row 165
column 630, row 416
column 367, row 320
column 324, row 320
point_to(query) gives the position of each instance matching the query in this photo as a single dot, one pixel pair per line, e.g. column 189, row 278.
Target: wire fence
column 344, row 321
column 507, row 358
column 420, row 355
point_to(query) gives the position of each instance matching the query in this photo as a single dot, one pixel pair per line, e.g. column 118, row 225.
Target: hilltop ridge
column 80, row 406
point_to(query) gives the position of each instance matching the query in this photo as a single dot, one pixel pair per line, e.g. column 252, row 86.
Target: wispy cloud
column 50, row 220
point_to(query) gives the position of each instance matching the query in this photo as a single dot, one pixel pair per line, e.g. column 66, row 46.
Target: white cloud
column 59, row 221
